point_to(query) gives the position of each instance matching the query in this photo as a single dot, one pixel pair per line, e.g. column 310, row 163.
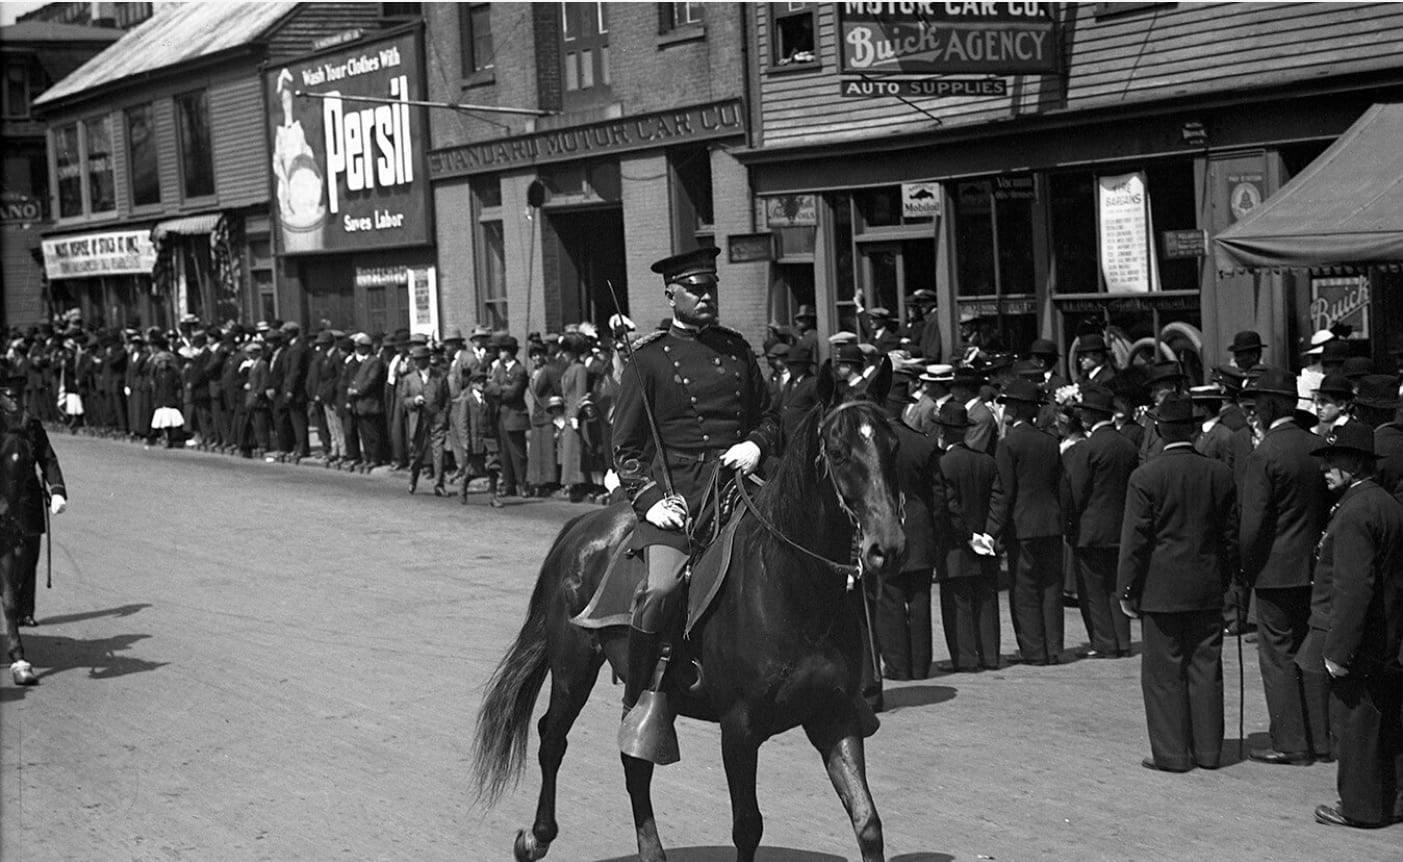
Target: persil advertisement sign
column 941, row 38
column 348, row 152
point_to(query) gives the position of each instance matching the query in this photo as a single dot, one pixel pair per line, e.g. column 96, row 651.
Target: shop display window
column 142, row 163
column 196, row 153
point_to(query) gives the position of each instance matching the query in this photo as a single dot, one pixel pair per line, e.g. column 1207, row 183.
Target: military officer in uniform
column 695, row 402
column 24, row 449
column 1356, row 625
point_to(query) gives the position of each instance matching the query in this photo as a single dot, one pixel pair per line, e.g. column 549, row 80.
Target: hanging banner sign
column 1123, row 223
column 126, row 252
column 944, row 38
column 349, row 174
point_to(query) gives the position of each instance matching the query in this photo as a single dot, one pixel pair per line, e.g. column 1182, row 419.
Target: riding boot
column 643, row 651
column 493, row 499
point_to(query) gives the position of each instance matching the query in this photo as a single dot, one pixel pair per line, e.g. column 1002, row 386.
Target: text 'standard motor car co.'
column 944, row 38
column 347, row 171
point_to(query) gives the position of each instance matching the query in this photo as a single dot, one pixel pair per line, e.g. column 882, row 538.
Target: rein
column 849, row 570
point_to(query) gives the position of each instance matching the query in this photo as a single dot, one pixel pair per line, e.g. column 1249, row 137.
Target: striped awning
column 195, row 225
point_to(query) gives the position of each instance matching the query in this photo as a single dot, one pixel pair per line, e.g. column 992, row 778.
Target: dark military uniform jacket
column 1179, row 533
column 707, row 393
column 1283, row 503
column 24, row 499
column 1357, row 597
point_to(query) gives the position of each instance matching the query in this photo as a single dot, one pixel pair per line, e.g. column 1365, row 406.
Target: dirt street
column 242, row 661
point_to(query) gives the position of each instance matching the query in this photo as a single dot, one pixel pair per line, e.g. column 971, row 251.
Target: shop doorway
column 891, row 271
column 588, row 255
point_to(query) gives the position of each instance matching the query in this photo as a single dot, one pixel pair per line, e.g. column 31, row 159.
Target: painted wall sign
column 1340, row 300
column 944, row 38
column 920, row 200
column 931, row 87
column 16, row 208
column 791, row 211
column 126, row 252
column 1123, row 224
column 1244, row 193
column 626, row 134
column 349, row 174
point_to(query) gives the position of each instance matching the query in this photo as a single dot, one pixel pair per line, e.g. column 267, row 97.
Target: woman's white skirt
column 167, row 417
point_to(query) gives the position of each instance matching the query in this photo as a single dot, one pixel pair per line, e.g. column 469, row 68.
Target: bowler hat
column 1271, row 381
column 847, row 354
column 1019, row 389
column 953, row 415
column 1175, row 408
column 1336, row 386
column 1377, row 390
column 1335, row 351
column 325, row 337
column 1164, row 372
column 805, row 311
column 1097, row 397
column 1246, row 340
column 1353, row 438
column 505, row 342
column 1356, row 367
column 1092, row 343
column 701, row 261
column 1043, row 347
column 419, row 351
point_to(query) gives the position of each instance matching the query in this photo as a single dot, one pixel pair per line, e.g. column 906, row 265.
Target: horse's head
column 857, row 451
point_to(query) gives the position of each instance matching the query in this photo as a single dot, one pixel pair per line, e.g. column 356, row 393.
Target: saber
column 643, row 394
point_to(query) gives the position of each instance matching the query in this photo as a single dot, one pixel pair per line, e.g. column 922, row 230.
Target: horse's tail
column 504, row 719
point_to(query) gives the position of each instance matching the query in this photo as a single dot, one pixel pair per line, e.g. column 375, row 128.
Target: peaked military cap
column 700, row 261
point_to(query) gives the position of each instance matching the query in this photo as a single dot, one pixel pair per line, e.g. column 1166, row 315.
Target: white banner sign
column 423, row 300
column 1123, row 219
column 127, row 252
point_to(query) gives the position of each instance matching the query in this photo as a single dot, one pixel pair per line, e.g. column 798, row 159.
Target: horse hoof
column 23, row 673
column 527, row 849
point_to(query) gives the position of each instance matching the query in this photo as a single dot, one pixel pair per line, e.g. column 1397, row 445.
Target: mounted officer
column 695, row 402
column 24, row 446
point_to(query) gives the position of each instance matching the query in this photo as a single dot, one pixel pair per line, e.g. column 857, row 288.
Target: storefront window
column 69, row 168
column 141, row 156
column 693, row 215
column 882, row 207
column 196, row 154
column 994, row 262
column 844, row 276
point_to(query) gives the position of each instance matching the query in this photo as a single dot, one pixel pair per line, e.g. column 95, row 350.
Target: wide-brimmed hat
column 1318, row 340
column 454, row 334
column 325, row 337
column 1092, row 343
column 480, row 331
column 953, row 415
column 360, row 339
column 1334, row 351
column 1164, row 372
column 778, row 350
column 1353, row 438
column 806, row 311
column 1356, row 367
column 925, row 295
column 966, row 376
column 419, row 351
column 1207, row 392
column 938, row 373
column 1043, row 347
column 1019, row 389
column 1246, row 340
column 1175, row 408
column 842, row 336
column 503, row 341
column 1377, row 390
column 849, row 354
column 1336, row 386
column 1094, row 396
column 800, row 354
column 1271, row 381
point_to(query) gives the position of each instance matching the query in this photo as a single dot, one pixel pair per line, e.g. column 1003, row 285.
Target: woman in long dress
column 574, row 388
column 540, row 440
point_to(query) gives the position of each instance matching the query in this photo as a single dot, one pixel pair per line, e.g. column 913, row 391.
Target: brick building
column 611, row 149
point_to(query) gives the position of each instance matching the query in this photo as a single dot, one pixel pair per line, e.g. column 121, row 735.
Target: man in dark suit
column 903, row 602
column 366, row 394
column 983, row 434
column 1030, row 470
column 800, row 393
column 426, row 400
column 1282, row 499
column 294, row 389
column 506, row 386
column 925, row 330
column 969, row 598
column 1094, row 360
column 1096, row 473
column 1378, row 405
column 1164, row 379
column 1176, row 558
column 1211, row 437
column 1357, row 621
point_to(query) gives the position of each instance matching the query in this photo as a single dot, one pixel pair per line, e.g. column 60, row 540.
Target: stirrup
column 647, row 730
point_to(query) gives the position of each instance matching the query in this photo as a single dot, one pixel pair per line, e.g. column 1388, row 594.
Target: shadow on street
column 904, row 697
column 101, row 657
column 119, row 611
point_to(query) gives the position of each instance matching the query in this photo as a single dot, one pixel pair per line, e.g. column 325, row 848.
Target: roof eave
column 44, row 106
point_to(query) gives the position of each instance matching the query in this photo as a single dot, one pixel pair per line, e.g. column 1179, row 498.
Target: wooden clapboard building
column 1050, row 166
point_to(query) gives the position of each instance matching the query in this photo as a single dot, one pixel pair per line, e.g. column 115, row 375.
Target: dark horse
column 780, row 647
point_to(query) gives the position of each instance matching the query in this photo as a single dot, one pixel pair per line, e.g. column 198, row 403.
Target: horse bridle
column 821, row 462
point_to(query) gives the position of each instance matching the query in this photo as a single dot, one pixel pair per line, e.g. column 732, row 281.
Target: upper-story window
column 401, row 10
column 475, row 29
column 674, row 16
column 16, row 90
column 792, row 37
column 142, row 163
column 68, row 169
column 584, row 45
column 196, row 153
column 97, row 134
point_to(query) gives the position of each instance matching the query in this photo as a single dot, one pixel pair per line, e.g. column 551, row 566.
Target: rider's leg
column 651, row 614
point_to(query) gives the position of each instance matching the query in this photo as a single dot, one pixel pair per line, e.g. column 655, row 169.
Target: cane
column 48, row 545
column 1241, row 686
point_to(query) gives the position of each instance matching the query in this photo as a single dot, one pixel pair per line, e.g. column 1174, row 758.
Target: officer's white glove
column 575, row 424
column 57, row 504
column 744, row 457
column 127, row 390
column 669, row 513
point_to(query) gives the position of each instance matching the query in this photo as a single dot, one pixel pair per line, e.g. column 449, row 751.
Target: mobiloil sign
column 348, row 148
